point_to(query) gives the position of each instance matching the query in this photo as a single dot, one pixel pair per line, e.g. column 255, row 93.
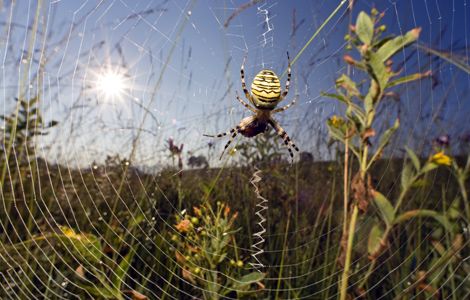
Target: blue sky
column 199, row 69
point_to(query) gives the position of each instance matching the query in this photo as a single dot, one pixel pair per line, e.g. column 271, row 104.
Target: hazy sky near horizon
column 181, row 68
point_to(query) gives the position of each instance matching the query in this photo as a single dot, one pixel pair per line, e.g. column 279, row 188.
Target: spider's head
column 266, row 90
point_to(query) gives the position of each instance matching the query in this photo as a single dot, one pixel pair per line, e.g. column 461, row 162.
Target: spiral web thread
column 261, row 206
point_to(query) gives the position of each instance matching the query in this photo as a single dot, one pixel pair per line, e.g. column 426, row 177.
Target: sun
column 111, row 84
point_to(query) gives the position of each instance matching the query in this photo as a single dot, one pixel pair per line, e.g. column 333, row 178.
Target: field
column 370, row 215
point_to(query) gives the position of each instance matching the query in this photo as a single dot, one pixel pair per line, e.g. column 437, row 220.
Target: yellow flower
column 441, row 159
column 69, row 232
column 197, row 211
column 183, row 226
column 336, row 121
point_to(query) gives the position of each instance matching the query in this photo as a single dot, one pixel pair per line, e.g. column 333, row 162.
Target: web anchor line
column 258, row 236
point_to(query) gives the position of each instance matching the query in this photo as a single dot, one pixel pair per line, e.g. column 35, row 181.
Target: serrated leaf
column 393, row 46
column 364, row 28
column 375, row 237
column 414, row 158
column 386, row 209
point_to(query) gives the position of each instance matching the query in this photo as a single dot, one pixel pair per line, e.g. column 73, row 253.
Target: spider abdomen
column 252, row 126
column 266, row 90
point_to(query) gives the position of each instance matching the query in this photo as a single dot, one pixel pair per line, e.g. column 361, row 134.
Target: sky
column 180, row 66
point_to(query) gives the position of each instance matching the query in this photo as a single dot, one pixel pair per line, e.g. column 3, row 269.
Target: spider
column 265, row 95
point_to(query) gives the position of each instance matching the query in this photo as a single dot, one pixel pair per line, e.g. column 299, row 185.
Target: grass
column 364, row 225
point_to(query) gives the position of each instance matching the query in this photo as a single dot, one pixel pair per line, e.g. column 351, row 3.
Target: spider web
column 179, row 63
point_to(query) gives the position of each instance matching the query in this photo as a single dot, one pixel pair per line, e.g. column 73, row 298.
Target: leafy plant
column 206, row 252
column 356, row 131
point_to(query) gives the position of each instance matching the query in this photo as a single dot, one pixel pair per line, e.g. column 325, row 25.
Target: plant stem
column 345, row 184
column 345, row 276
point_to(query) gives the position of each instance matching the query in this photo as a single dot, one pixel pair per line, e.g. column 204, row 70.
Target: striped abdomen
column 266, row 90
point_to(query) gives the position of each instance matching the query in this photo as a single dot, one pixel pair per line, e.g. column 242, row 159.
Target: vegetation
column 70, row 233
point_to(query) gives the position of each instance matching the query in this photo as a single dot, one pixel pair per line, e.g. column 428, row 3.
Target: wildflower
column 226, row 211
column 239, row 263
column 349, row 60
column 69, row 232
column 441, row 159
column 194, row 220
column 197, row 211
column 443, row 140
column 336, row 121
column 183, row 226
column 174, row 150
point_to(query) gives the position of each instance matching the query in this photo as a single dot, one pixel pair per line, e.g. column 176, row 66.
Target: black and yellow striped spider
column 265, row 95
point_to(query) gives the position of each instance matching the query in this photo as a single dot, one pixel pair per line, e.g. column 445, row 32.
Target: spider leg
column 283, row 134
column 245, row 104
column 242, row 75
column 285, row 107
column 284, row 94
column 233, row 132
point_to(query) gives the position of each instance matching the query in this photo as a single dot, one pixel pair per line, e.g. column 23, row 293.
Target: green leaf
column 447, row 56
column 357, row 109
column 414, row 158
column 121, row 271
column 454, row 212
column 406, row 176
column 248, row 279
column 364, row 28
column 424, row 213
column 408, row 78
column 350, row 86
column 355, row 119
column 380, row 73
column 222, row 257
column 86, row 246
column 368, row 104
column 393, row 46
column 429, row 166
column 375, row 237
column 334, row 96
column 336, row 133
column 387, row 135
column 384, row 140
column 385, row 207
